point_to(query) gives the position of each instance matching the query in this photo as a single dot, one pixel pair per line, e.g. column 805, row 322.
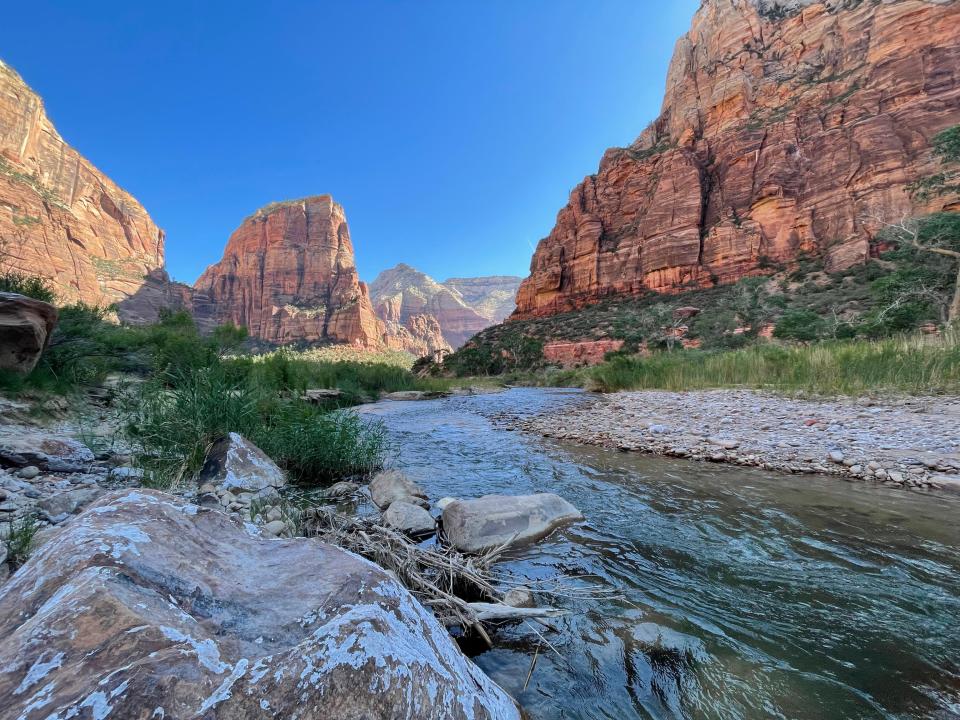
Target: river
column 742, row 594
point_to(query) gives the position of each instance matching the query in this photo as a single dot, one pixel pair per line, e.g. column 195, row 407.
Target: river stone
column 28, row 473
column 495, row 520
column 416, row 395
column 22, row 446
column 56, row 508
column 235, row 464
column 341, row 489
column 144, row 606
column 26, row 325
column 392, row 485
column 409, row 518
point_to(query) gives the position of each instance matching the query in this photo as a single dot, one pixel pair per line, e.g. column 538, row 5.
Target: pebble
column 29, row 472
column 867, row 439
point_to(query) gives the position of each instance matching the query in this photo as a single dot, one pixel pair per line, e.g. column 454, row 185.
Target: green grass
column 911, row 364
column 175, row 417
column 19, row 542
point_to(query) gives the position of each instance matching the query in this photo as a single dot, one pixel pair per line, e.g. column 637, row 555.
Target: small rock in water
column 836, row 456
column 29, row 472
column 392, row 485
column 341, row 489
column 518, row 597
column 409, row 518
column 495, row 520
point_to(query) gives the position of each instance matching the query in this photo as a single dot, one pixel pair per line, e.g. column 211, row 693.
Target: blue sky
column 451, row 131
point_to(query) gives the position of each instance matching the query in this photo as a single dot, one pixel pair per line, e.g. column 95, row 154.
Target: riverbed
column 742, row 593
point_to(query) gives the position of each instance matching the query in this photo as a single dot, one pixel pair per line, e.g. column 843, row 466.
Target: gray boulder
column 22, row 446
column 495, row 520
column 57, row 508
column 185, row 614
column 409, row 518
column 234, row 463
column 392, row 485
column 25, row 329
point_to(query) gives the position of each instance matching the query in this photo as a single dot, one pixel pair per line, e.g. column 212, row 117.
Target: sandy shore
column 911, row 442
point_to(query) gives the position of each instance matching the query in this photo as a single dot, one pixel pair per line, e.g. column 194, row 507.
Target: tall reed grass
column 913, row 364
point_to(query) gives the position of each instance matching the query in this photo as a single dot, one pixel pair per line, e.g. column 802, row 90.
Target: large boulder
column 144, row 606
column 495, row 520
column 25, row 328
column 22, row 446
column 234, row 463
column 391, row 485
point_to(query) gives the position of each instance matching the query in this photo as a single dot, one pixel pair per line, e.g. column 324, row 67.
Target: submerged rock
column 25, row 328
column 392, row 485
column 143, row 606
column 234, row 463
column 494, row 520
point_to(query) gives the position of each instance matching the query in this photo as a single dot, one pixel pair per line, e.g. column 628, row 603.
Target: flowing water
column 744, row 594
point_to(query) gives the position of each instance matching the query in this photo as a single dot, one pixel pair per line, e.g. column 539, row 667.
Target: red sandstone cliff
column 288, row 274
column 784, row 125
column 60, row 217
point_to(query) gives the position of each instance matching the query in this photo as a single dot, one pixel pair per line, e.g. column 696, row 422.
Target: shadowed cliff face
column 288, row 274
column 60, row 217
column 785, row 127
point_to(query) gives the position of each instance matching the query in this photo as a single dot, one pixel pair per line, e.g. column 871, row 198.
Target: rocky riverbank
column 910, row 442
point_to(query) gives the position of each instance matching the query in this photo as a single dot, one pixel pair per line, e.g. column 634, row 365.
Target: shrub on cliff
column 800, row 325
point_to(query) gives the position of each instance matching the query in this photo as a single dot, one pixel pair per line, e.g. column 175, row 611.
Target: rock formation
column 785, row 126
column 144, row 606
column 423, row 316
column 494, row 296
column 25, row 329
column 288, row 275
column 60, row 217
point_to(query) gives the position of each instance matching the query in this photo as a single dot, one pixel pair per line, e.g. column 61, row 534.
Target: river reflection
column 745, row 594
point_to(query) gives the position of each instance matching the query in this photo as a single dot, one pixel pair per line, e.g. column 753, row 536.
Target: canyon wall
column 60, row 217
column 288, row 274
column 787, row 127
column 422, row 316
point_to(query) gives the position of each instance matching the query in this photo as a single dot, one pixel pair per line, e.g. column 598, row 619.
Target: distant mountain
column 494, row 296
column 422, row 315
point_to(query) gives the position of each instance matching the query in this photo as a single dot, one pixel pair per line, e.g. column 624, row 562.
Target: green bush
column 29, row 285
column 800, row 325
column 175, row 417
